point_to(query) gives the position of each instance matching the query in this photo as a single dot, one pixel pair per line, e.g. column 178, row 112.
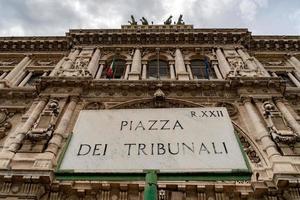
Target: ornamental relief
column 9, row 61
column 78, row 68
column 5, row 124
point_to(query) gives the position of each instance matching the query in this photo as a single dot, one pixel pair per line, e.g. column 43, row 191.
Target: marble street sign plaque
column 168, row 140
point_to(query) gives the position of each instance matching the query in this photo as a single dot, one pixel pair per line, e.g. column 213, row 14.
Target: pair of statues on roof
column 167, row 22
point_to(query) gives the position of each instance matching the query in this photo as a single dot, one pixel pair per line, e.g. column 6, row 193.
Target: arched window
column 158, row 70
column 114, row 69
column 201, row 69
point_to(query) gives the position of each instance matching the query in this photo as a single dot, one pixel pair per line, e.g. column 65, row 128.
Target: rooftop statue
column 132, row 22
column 180, row 20
column 169, row 20
column 144, row 21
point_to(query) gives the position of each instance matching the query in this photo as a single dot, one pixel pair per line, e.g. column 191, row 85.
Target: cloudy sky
column 55, row 17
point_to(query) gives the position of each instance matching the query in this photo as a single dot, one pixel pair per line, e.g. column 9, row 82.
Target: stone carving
column 78, row 69
column 169, row 20
column 231, row 108
column 8, row 62
column 277, row 126
column 132, row 22
column 238, row 65
column 274, row 63
column 5, row 125
column 44, row 126
column 144, row 21
column 249, row 150
column 94, row 106
column 180, row 20
column 44, row 62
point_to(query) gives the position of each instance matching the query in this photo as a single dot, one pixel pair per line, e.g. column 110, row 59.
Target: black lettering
column 163, row 127
column 203, row 148
column 177, row 124
column 123, row 123
column 129, row 148
column 130, row 125
column 140, row 125
column 141, row 149
column 170, row 151
column 152, row 148
column 204, row 113
column 221, row 113
column 213, row 144
column 193, row 114
column 192, row 149
column 96, row 149
column 105, row 148
column 225, row 148
column 80, row 148
column 161, row 149
column 154, row 122
column 212, row 114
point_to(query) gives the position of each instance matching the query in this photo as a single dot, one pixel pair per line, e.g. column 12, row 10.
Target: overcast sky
column 55, row 17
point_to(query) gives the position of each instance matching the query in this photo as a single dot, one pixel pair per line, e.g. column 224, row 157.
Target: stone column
column 144, row 71
column 246, row 58
column 274, row 74
column 189, row 70
column 127, row 70
column 296, row 63
column 58, row 66
column 259, row 130
column 45, row 74
column 172, row 70
column 100, row 70
column 3, row 75
column 136, row 67
column 217, row 71
column 60, row 132
column 93, row 65
column 18, row 69
column 261, row 67
column 181, row 72
column 223, row 64
column 26, row 79
column 70, row 59
column 288, row 115
column 21, row 133
column 18, row 79
column 293, row 79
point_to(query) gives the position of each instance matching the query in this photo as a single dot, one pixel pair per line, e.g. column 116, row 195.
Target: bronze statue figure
column 180, row 21
column 144, row 21
column 169, row 20
column 132, row 22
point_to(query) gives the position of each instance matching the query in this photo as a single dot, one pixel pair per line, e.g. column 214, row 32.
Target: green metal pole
column 150, row 192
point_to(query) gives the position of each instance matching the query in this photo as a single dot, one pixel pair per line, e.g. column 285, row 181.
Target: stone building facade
column 46, row 81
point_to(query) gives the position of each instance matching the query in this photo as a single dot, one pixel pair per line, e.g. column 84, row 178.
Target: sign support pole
column 150, row 191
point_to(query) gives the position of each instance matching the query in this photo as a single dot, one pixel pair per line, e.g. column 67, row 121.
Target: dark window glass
column 118, row 69
column 200, row 70
column 286, row 78
column 33, row 79
column 162, row 66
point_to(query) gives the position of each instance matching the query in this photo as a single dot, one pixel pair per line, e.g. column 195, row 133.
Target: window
column 33, row 79
column 158, row 69
column 286, row 78
column 202, row 70
column 118, row 72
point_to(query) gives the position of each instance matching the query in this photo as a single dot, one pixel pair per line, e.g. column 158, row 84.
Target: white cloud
column 295, row 18
column 249, row 8
column 55, row 17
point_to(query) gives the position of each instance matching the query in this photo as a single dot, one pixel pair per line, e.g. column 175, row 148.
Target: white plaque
column 167, row 140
